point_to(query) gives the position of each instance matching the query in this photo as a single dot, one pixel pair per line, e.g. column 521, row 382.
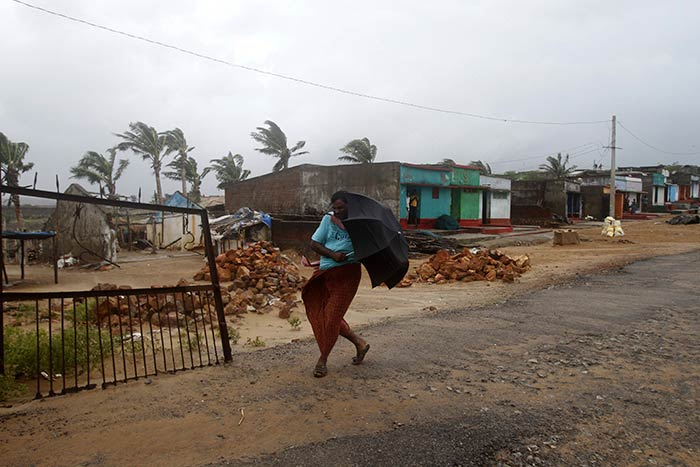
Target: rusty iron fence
column 84, row 339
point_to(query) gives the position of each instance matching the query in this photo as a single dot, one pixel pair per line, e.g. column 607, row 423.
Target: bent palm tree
column 98, row 169
column 176, row 142
column 483, row 167
column 274, row 143
column 188, row 167
column 359, row 151
column 557, row 167
column 146, row 142
column 447, row 161
column 228, row 169
column 13, row 166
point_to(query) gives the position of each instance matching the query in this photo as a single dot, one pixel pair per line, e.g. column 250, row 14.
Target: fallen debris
column 612, row 228
column 420, row 241
column 262, row 280
column 684, row 219
column 467, row 266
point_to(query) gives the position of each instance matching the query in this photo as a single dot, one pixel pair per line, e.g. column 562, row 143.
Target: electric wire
column 299, row 80
column 672, row 153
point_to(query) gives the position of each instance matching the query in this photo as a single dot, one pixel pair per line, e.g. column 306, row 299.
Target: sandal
column 360, row 355
column 320, row 370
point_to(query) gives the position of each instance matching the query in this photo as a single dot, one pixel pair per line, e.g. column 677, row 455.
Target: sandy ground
column 550, row 265
column 599, row 370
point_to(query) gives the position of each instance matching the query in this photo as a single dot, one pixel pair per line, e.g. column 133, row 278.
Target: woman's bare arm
column 337, row 256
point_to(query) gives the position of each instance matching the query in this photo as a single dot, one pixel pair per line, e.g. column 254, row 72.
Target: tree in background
column 176, row 142
column 229, row 169
column 274, row 143
column 188, row 167
column 483, row 167
column 558, row 167
column 13, row 166
column 359, row 151
column 100, row 170
column 145, row 141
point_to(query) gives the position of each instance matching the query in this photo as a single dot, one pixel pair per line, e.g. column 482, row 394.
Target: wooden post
column 55, row 259
column 21, row 257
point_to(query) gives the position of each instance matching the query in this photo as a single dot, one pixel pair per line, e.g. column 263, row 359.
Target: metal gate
column 102, row 337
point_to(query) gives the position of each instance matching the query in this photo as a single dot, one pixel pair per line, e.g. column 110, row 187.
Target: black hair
column 339, row 195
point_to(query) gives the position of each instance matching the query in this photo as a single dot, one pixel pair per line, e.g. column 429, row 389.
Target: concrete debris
column 684, row 219
column 467, row 266
column 262, row 280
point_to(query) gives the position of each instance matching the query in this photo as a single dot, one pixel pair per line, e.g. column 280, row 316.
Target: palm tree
column 483, row 167
column 274, row 143
column 359, row 151
column 229, row 169
column 146, row 142
column 13, row 166
column 98, row 169
column 176, row 142
column 557, row 167
column 447, row 161
column 192, row 175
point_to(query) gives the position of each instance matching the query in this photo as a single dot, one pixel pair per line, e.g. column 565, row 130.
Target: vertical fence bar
column 87, row 340
column 143, row 337
column 99, row 338
column 51, row 393
column 187, row 329
column 63, row 350
column 209, row 249
column 121, row 338
column 75, row 344
column 211, row 325
column 153, row 342
column 204, row 329
column 111, row 343
column 38, row 353
column 179, row 334
column 170, row 334
column 133, row 338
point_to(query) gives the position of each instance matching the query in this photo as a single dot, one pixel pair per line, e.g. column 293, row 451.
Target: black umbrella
column 377, row 239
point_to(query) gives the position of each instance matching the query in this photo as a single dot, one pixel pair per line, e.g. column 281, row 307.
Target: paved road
column 602, row 371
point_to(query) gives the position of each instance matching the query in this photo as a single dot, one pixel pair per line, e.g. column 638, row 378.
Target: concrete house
column 595, row 189
column 436, row 190
column 175, row 230
column 536, row 202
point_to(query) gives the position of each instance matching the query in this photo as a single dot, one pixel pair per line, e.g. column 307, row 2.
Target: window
column 436, row 192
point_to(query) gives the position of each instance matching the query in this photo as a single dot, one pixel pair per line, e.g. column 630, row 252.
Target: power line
column 299, row 80
column 654, row 147
column 545, row 155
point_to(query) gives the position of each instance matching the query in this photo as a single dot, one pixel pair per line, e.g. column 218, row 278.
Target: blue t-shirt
column 335, row 239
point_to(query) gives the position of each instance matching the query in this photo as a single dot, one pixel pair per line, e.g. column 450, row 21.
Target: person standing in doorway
column 413, row 209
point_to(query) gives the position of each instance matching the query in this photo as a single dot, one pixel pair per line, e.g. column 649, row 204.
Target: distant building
column 414, row 192
column 175, row 230
column 595, row 190
column 537, row 202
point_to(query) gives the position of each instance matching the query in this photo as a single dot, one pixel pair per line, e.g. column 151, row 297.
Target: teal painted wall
column 460, row 176
column 417, row 175
column 428, row 208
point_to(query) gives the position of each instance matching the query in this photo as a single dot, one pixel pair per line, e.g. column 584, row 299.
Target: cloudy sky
column 66, row 87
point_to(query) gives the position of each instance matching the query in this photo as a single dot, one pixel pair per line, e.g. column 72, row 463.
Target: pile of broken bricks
column 261, row 279
column 467, row 266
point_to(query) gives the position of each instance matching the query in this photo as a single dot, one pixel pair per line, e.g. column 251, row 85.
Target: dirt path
column 601, row 371
column 616, row 381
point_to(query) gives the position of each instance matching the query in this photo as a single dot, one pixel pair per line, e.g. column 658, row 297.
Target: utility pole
column 612, row 168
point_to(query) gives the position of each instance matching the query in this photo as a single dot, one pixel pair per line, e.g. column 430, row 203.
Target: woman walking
column 330, row 290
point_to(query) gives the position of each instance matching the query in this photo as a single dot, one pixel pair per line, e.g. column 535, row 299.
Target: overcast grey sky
column 66, row 88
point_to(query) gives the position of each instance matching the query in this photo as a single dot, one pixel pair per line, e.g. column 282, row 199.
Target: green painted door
column 456, row 204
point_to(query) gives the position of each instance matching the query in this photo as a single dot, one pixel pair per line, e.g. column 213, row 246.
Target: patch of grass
column 9, row 387
column 295, row 323
column 21, row 350
column 257, row 342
